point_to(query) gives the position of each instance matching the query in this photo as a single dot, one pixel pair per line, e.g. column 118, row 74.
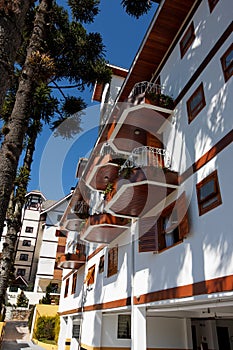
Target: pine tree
column 22, row 300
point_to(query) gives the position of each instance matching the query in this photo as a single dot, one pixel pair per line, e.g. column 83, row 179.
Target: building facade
column 153, row 202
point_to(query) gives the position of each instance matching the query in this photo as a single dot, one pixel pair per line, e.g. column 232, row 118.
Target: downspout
column 133, row 226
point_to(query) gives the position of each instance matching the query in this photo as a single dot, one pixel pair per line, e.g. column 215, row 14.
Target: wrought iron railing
column 147, row 156
column 146, row 86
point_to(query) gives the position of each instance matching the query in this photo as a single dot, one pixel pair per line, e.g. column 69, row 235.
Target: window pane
column 187, row 39
column 207, row 189
column 196, row 100
column 229, row 59
column 124, row 327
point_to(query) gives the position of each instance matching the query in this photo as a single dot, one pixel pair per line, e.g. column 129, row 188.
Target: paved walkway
column 16, row 337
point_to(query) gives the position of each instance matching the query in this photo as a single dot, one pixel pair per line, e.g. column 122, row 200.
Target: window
column 227, row 63
column 90, row 277
column 112, row 261
column 61, row 249
column 29, row 229
column 74, row 283
column 196, row 103
column 212, row 4
column 21, row 272
column 124, row 327
column 23, row 257
column 208, row 193
column 157, row 234
column 66, row 288
column 187, row 39
column 101, row 264
column 26, row 243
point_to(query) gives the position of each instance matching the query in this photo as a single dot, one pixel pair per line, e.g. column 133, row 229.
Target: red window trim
column 184, row 47
column 216, row 193
column 192, row 113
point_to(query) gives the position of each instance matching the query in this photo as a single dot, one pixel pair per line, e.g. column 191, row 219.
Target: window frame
column 184, row 47
column 112, row 261
column 101, row 264
column 90, row 277
column 74, row 283
column 153, row 240
column 21, row 270
column 25, row 255
column 212, row 4
column 127, row 321
column 26, row 243
column 227, row 70
column 66, row 290
column 193, row 112
column 216, row 194
column 29, row 229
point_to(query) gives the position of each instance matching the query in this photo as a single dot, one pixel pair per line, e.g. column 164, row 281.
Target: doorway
column 223, row 338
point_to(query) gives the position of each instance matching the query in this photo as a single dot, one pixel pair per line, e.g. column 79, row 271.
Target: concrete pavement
column 16, row 337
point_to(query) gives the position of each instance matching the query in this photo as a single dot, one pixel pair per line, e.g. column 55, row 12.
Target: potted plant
column 159, row 99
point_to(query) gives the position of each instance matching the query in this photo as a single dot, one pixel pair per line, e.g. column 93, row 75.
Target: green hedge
column 47, row 328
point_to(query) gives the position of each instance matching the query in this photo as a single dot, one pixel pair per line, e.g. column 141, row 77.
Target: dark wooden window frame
column 74, row 283
column 203, row 202
column 112, row 261
column 227, row 70
column 66, row 288
column 193, row 112
column 101, row 264
column 153, row 240
column 212, row 4
column 187, row 40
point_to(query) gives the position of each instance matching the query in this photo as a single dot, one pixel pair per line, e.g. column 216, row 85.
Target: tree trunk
column 14, row 215
column 17, row 125
column 12, row 19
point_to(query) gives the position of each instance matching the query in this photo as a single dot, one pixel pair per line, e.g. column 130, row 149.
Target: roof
column 164, row 29
column 35, row 192
column 54, row 204
column 98, row 88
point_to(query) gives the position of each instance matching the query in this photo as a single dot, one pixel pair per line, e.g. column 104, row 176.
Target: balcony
column 145, row 111
column 144, row 181
column 104, row 228
column 77, row 213
column 73, row 260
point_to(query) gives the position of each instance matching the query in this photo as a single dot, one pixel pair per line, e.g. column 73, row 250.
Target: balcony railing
column 145, row 86
column 147, row 156
column 81, row 209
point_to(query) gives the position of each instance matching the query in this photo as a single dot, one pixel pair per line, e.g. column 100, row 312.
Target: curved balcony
column 72, row 260
column 144, row 181
column 146, row 111
column 104, row 228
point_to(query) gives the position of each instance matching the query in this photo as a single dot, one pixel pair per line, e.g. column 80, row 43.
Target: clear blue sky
column 55, row 160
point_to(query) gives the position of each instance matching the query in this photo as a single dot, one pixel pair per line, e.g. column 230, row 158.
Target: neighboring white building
column 51, row 248
column 38, row 248
column 158, row 272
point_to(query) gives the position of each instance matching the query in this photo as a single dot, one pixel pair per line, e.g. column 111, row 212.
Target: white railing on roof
column 146, row 86
column 147, row 156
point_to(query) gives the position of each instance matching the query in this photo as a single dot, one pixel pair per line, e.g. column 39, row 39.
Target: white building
column 158, row 272
column 38, row 248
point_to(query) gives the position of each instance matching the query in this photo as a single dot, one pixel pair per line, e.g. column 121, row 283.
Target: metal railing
column 147, row 156
column 146, row 86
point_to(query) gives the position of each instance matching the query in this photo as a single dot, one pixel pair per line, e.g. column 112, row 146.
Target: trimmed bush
column 47, row 328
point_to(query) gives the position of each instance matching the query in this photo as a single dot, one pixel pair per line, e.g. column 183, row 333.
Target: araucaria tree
column 56, row 49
